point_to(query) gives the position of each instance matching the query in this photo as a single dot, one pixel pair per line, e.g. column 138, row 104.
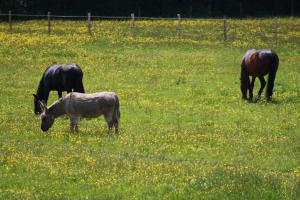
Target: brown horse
column 258, row 63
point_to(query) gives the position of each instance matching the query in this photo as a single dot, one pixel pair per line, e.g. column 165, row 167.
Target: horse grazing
column 258, row 63
column 66, row 77
column 77, row 105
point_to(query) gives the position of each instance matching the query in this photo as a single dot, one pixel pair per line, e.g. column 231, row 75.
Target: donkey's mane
column 57, row 108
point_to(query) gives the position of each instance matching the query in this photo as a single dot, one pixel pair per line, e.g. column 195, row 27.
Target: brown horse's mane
column 252, row 57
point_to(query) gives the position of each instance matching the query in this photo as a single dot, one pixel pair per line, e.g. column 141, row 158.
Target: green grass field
column 185, row 131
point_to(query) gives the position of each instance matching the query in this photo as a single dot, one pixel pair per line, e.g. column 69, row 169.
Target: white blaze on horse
column 77, row 105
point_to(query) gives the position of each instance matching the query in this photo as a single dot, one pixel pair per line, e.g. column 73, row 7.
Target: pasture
column 185, row 132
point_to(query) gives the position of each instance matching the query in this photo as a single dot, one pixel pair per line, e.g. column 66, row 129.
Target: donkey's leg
column 109, row 121
column 251, row 88
column 116, row 120
column 116, row 125
column 59, row 92
column 74, row 123
column 262, row 86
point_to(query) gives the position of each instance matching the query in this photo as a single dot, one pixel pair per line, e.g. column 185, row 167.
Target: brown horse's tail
column 272, row 75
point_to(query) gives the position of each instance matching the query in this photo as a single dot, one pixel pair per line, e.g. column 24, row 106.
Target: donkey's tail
column 117, row 114
column 272, row 76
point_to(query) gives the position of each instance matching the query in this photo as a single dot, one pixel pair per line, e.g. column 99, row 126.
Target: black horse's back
column 67, row 77
column 59, row 77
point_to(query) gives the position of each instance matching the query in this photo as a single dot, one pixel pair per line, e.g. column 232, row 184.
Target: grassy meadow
column 185, row 131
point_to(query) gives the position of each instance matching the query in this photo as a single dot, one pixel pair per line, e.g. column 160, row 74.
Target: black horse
column 258, row 63
column 66, row 77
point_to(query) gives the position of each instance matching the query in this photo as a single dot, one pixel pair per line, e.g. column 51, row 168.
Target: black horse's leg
column 251, row 88
column 262, row 86
column 59, row 92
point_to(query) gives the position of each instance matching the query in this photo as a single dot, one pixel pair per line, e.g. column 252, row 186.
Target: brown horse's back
column 257, row 63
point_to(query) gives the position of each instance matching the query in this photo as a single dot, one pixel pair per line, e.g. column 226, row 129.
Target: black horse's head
column 37, row 106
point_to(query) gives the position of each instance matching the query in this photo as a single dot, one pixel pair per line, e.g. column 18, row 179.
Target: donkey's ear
column 43, row 106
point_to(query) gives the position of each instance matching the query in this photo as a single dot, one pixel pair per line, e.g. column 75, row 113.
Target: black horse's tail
column 79, row 87
column 272, row 74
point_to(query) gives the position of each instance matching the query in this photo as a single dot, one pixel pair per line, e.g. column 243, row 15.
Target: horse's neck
column 42, row 92
column 58, row 108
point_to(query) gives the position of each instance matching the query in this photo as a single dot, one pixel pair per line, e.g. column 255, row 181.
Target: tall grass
column 185, row 131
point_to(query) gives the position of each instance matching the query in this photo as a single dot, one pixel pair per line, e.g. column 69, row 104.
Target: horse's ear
column 35, row 97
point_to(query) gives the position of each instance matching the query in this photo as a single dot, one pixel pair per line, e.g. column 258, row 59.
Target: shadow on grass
column 275, row 101
column 287, row 100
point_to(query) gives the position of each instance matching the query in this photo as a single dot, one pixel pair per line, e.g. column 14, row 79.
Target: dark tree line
column 155, row 8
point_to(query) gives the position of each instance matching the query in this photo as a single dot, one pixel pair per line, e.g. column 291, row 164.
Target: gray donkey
column 77, row 105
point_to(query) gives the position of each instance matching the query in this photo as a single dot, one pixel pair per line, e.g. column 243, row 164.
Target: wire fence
column 272, row 32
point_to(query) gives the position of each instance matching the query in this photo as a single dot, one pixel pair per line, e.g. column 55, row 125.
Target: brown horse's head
column 244, row 82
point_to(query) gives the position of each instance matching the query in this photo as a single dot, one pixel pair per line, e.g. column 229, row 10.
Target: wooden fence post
column 9, row 21
column 276, row 31
column 179, row 26
column 49, row 23
column 132, row 25
column 225, row 29
column 89, row 24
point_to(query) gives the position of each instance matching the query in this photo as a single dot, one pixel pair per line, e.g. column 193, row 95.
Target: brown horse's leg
column 262, row 86
column 251, row 88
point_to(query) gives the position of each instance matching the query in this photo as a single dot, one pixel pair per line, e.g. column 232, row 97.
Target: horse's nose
column 37, row 111
column 44, row 129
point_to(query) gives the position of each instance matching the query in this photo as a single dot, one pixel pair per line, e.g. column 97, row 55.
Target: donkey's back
column 91, row 105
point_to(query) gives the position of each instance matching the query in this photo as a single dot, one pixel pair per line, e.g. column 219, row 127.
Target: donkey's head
column 37, row 107
column 46, row 117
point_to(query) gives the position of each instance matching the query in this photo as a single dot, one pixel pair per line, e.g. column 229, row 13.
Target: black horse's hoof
column 257, row 99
